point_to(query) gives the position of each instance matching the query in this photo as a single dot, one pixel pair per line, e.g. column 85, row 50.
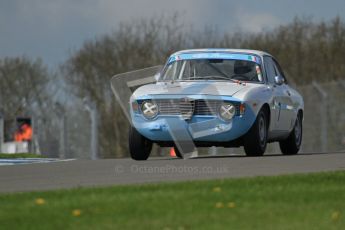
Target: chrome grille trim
column 199, row 107
column 186, row 107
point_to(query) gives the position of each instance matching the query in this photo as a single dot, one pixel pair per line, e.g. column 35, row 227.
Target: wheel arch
column 266, row 107
column 301, row 113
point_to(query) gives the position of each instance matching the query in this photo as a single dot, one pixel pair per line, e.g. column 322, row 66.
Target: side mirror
column 279, row 80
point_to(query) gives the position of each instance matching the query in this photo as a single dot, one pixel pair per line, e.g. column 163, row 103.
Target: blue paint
column 200, row 128
column 214, row 55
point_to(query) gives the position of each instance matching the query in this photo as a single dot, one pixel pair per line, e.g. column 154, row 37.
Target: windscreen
column 212, row 69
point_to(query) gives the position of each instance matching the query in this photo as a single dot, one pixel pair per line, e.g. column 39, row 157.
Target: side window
column 270, row 69
column 170, row 72
column 279, row 70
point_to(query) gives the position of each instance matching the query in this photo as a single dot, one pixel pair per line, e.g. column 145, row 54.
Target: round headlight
column 149, row 109
column 227, row 111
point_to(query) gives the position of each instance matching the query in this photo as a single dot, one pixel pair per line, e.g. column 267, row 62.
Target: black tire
column 139, row 146
column 292, row 144
column 177, row 152
column 255, row 141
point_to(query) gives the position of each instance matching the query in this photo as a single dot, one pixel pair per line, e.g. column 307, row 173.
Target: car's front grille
column 187, row 107
column 209, row 107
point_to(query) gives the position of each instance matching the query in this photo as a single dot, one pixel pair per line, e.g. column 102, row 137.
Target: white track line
column 18, row 161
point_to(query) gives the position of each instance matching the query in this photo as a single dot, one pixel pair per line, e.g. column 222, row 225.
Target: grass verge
column 19, row 155
column 309, row 201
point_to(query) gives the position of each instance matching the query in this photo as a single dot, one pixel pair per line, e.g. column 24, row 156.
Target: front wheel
column 255, row 141
column 139, row 146
column 292, row 144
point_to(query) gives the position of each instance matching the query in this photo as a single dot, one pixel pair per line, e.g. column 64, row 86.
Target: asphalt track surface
column 88, row 173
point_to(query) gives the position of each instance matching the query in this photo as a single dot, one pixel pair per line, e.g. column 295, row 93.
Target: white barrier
column 15, row 147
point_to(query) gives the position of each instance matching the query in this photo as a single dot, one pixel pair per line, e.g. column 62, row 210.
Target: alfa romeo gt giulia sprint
column 217, row 97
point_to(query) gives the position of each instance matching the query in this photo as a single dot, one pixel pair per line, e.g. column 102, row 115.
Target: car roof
column 246, row 51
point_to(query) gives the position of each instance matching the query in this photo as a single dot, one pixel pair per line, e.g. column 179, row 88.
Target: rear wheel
column 255, row 141
column 139, row 146
column 292, row 144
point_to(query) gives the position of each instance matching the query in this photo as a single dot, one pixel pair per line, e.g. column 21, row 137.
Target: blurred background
column 57, row 59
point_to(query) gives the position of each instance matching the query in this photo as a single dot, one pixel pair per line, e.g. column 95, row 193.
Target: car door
column 279, row 115
column 287, row 105
column 275, row 99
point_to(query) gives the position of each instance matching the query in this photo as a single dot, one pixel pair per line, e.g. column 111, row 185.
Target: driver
column 245, row 70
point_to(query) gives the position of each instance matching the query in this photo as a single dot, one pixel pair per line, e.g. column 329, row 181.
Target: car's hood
column 190, row 88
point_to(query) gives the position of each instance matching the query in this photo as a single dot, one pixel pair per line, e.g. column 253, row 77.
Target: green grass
column 310, row 201
column 19, row 155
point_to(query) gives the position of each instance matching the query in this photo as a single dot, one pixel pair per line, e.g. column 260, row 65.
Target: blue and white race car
column 217, row 97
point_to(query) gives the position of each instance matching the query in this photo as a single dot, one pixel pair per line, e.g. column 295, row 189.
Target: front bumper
column 198, row 128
